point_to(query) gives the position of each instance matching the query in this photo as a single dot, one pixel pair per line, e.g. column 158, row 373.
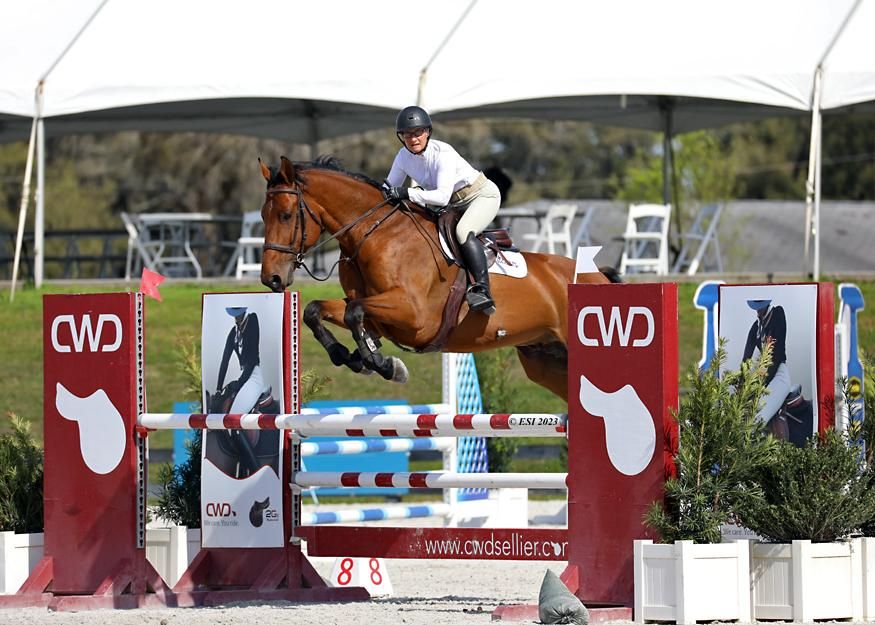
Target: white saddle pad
column 512, row 264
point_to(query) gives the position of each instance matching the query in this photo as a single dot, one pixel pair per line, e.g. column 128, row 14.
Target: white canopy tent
column 303, row 71
column 639, row 64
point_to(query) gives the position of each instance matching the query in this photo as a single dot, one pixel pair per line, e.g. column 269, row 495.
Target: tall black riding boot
column 475, row 260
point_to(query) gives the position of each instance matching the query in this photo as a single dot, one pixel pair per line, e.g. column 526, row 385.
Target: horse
column 397, row 280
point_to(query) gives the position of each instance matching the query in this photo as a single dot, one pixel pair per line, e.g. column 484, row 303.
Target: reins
column 299, row 254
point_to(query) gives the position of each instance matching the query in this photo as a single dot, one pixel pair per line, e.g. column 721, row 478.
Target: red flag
column 149, row 283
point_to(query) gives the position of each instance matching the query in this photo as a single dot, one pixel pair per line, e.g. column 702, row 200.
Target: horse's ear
column 265, row 170
column 287, row 169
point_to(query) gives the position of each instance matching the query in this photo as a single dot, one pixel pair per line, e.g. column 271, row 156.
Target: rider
column 243, row 341
column 770, row 327
column 446, row 177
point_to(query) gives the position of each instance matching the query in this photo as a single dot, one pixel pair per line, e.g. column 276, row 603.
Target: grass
column 177, row 318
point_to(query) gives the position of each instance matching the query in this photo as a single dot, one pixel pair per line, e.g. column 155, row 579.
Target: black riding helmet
column 410, row 118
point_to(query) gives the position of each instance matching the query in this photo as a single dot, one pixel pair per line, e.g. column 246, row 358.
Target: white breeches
column 482, row 209
column 249, row 393
column 778, row 389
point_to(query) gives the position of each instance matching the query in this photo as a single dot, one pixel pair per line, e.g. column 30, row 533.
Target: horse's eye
column 286, row 216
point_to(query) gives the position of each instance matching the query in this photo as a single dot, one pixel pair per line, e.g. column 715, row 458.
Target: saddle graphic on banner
column 101, row 427
column 630, row 436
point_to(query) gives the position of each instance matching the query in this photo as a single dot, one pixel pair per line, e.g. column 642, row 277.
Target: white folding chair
column 249, row 245
column 645, row 242
column 581, row 235
column 555, row 228
column 138, row 238
column 701, row 237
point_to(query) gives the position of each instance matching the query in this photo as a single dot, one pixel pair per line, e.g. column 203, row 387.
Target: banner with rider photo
column 785, row 317
column 242, row 372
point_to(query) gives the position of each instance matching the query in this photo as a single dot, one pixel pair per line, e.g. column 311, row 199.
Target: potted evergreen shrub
column 691, row 575
column 21, row 504
column 863, row 429
column 816, row 498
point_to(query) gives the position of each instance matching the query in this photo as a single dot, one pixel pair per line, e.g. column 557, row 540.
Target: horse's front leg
column 387, row 309
column 390, row 367
column 333, row 311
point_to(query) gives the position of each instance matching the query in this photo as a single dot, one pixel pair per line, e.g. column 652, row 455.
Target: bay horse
column 397, row 281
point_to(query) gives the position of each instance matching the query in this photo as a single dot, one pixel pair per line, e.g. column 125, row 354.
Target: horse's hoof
column 399, row 371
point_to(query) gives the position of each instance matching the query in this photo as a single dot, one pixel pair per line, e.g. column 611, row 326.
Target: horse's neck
column 342, row 199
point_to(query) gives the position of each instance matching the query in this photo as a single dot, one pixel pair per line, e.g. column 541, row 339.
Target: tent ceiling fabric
column 289, row 70
column 750, row 52
column 273, row 69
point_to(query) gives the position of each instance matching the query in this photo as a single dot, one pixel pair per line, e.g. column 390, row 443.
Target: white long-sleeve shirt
column 438, row 169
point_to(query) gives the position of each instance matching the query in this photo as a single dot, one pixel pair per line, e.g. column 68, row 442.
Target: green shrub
column 720, row 446
column 500, row 395
column 180, row 499
column 819, row 492
column 862, row 432
column 21, row 479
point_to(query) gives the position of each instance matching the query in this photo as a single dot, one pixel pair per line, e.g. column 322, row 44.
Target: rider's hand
column 396, row 194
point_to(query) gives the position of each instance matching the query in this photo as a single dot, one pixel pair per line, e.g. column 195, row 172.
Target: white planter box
column 804, row 581
column 686, row 582
column 19, row 553
column 169, row 549
column 868, row 557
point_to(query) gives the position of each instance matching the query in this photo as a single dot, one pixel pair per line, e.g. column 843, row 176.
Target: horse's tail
column 611, row 274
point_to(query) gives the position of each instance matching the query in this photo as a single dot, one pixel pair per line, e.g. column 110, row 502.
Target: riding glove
column 396, row 194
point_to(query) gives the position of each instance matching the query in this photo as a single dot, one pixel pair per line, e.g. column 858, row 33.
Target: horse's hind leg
column 332, row 311
column 546, row 364
column 390, row 367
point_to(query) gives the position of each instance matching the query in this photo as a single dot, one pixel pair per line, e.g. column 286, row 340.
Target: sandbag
column 557, row 604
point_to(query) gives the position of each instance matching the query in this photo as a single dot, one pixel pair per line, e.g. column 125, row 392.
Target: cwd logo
column 88, row 331
column 615, row 326
column 219, row 509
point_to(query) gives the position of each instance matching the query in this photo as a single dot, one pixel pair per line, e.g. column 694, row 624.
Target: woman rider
column 444, row 178
column 770, row 327
column 243, row 341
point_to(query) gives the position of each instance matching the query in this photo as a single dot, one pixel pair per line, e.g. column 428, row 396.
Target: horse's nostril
column 276, row 283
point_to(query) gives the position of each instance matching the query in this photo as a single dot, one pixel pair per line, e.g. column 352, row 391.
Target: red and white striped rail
column 431, row 479
column 375, row 425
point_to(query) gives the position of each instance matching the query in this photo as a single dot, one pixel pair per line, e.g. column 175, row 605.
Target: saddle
column 794, row 421
column 240, row 453
column 495, row 241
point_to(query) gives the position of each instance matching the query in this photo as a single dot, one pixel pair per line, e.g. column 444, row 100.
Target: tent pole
column 817, row 189
column 40, row 214
column 666, row 152
column 22, row 211
column 423, row 73
column 812, row 183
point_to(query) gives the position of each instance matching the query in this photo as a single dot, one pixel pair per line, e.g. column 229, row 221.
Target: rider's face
column 415, row 140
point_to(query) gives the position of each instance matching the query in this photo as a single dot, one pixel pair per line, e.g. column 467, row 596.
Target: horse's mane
column 327, row 162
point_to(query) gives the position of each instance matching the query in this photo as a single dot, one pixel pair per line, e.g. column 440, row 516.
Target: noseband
column 298, row 254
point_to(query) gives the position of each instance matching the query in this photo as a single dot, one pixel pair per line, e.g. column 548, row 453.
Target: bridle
column 301, row 223
column 299, row 254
